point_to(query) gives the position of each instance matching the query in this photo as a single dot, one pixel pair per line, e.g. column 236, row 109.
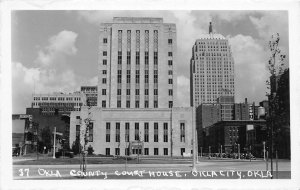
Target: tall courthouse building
column 137, row 60
column 211, row 69
column 136, row 112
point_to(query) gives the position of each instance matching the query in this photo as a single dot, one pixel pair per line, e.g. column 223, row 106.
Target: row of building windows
column 137, row 135
column 139, row 151
column 137, row 104
column 137, row 92
column 57, row 98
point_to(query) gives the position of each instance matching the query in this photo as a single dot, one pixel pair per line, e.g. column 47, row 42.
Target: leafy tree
column 76, row 146
column 278, row 95
column 90, row 150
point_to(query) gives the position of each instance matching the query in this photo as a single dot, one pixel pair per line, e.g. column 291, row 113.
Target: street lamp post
column 194, row 141
column 54, row 142
column 264, row 145
column 221, row 151
column 239, row 152
column 201, row 152
column 209, row 150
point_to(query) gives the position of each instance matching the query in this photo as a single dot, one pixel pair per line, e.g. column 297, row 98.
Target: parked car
column 64, row 153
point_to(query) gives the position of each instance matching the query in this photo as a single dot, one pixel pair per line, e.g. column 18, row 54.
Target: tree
column 76, row 147
column 278, row 89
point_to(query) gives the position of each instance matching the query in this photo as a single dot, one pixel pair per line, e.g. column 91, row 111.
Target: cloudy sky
column 56, row 51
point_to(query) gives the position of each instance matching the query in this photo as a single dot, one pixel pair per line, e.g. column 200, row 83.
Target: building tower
column 211, row 69
column 137, row 63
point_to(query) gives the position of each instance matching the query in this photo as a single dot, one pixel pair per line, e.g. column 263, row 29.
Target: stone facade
column 174, row 130
column 137, row 63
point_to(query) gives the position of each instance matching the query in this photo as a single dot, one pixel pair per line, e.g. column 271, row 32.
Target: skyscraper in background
column 211, row 69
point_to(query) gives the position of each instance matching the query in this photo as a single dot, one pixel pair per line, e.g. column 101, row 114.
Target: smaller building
column 91, row 93
column 229, row 134
column 58, row 103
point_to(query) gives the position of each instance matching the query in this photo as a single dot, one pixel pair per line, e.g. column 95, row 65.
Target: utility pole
column 194, row 141
column 54, row 142
column 239, row 152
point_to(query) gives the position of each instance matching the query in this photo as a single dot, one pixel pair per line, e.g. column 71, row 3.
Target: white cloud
column 250, row 68
column 58, row 47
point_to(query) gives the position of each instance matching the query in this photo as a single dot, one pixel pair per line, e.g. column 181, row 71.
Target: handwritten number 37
column 24, row 172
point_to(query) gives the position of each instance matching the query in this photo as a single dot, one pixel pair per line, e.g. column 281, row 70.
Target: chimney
column 210, row 28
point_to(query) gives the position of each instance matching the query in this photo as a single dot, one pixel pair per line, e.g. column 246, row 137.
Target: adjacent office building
column 136, row 112
column 211, row 69
column 91, row 93
column 58, row 103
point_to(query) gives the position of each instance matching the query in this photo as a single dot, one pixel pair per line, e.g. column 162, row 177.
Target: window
column 155, row 132
column 182, row 150
column 107, row 132
column 126, row 132
column 146, row 131
column 170, row 72
column 170, row 41
column 137, row 104
column 119, row 57
column 78, row 131
column 165, row 151
column 128, row 57
column 91, row 132
column 170, row 81
column 146, row 58
column 170, row 62
column 155, row 58
column 118, row 103
column 118, row 132
column 136, row 132
column 127, row 104
column 170, row 104
column 104, row 40
column 137, row 91
column 119, row 91
column 104, row 53
column 119, row 79
column 155, row 151
column 146, row 151
column 155, row 104
column 170, row 92
column 146, row 91
column 146, row 76
column 137, row 58
column 127, row 91
column 170, row 54
column 103, row 103
column 107, row 151
column 103, row 80
column 77, row 117
column 128, row 76
column 137, row 76
column 104, row 72
column 165, row 132
column 155, row 91
column 146, row 104
column 103, row 91
column 182, row 132
column 155, row 76
column 117, row 151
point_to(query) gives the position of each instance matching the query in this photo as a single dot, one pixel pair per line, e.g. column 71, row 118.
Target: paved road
column 208, row 169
